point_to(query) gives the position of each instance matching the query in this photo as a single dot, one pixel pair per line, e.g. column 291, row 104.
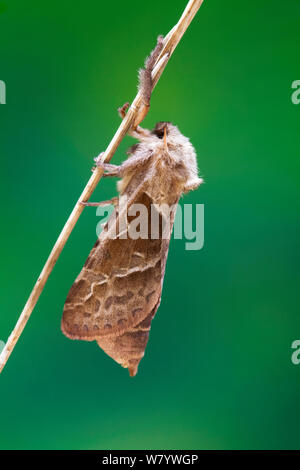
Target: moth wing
column 129, row 348
column 119, row 285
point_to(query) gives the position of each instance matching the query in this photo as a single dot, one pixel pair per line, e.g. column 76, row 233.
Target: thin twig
column 170, row 43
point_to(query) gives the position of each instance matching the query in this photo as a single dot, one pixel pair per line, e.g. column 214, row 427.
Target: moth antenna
column 145, row 75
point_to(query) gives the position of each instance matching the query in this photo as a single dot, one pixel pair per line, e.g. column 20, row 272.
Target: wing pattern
column 117, row 293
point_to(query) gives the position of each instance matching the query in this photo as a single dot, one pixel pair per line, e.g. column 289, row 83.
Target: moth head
column 161, row 128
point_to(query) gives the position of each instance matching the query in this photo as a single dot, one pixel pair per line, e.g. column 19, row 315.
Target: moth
column 118, row 291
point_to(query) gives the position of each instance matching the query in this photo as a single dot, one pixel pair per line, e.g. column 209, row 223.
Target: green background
column 217, row 372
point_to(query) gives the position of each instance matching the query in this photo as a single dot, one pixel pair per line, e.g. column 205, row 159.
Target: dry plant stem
column 170, row 43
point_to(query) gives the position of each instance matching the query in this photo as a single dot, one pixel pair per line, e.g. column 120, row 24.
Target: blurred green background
column 217, row 372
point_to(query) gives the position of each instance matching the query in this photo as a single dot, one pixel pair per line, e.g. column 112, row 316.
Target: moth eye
column 160, row 133
column 159, row 129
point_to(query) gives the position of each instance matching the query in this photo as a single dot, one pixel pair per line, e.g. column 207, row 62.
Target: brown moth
column 116, row 295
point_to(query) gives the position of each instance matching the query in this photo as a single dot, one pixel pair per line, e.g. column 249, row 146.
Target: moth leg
column 113, row 201
column 145, row 75
column 123, row 109
column 143, row 135
column 146, row 82
column 192, row 185
column 111, row 170
column 139, row 133
column 145, row 88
